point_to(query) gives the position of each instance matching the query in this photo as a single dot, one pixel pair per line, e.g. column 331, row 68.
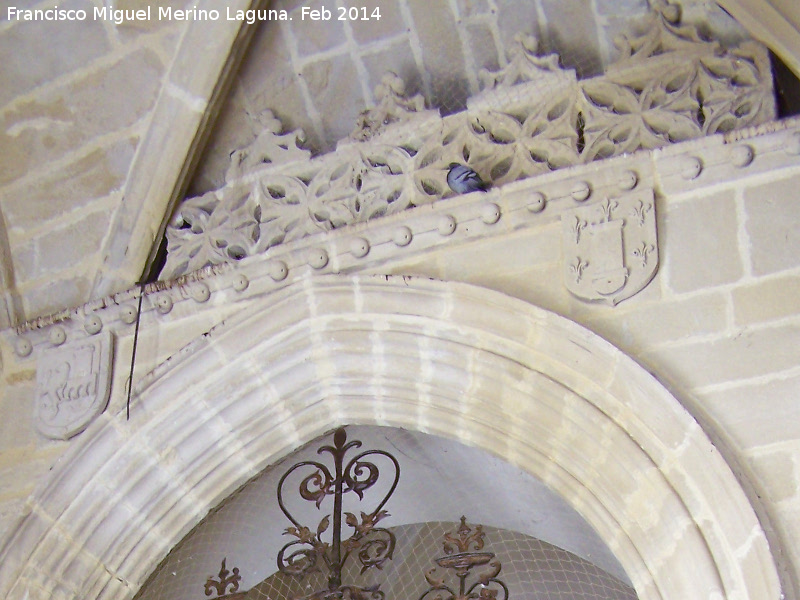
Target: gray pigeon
column 464, row 180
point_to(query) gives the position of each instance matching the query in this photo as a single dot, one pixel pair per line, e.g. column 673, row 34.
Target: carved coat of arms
column 72, row 386
column 610, row 247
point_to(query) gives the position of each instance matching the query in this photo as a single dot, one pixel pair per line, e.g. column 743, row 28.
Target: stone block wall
column 74, row 105
column 77, row 98
column 718, row 324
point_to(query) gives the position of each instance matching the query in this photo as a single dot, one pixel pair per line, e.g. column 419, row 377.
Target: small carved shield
column 72, row 386
column 610, row 247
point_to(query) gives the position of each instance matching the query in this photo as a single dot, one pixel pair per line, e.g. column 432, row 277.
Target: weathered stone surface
column 53, row 45
column 442, row 57
column 14, row 463
column 780, row 471
column 267, row 79
column 759, row 413
column 574, row 39
column 314, row 36
column 509, row 357
column 55, row 294
column 492, row 265
column 128, row 30
column 397, row 57
column 53, row 196
column 766, row 300
column 483, row 49
column 704, row 236
column 10, row 511
column 635, row 330
column 472, row 8
column 773, row 225
column 20, row 4
column 714, row 21
column 621, row 7
column 62, row 248
column 331, row 81
column 750, row 353
column 511, row 22
column 391, row 22
column 16, row 408
column 195, row 73
column 61, row 120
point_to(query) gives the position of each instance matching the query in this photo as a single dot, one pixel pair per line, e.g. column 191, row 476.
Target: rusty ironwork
column 226, row 578
column 464, row 552
column 372, row 545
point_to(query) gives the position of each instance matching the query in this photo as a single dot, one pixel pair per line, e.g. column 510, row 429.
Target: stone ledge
column 366, row 246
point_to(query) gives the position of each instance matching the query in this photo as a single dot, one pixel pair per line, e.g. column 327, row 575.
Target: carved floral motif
column 524, row 65
column 270, row 147
column 393, row 107
column 532, row 117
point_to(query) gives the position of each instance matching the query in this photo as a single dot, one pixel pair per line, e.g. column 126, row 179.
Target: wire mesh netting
column 440, row 480
column 531, row 568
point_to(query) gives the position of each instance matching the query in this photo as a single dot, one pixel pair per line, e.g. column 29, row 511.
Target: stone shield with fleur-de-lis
column 610, row 247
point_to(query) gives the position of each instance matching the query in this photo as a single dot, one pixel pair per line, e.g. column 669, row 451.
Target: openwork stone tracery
column 532, row 117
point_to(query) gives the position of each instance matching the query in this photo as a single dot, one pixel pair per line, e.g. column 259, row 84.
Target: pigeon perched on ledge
column 464, row 180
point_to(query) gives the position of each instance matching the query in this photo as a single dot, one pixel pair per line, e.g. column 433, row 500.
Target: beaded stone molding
column 532, row 117
column 72, row 350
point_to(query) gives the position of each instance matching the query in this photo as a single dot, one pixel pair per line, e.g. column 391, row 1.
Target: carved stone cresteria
column 532, row 117
column 393, row 107
column 72, row 385
column 269, row 147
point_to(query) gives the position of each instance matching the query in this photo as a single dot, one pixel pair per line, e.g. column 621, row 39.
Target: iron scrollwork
column 462, row 554
column 226, row 578
column 372, row 545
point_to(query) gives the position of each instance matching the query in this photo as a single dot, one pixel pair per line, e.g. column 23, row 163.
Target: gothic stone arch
column 444, row 358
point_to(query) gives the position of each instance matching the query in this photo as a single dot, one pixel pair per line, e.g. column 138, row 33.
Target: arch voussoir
column 439, row 358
